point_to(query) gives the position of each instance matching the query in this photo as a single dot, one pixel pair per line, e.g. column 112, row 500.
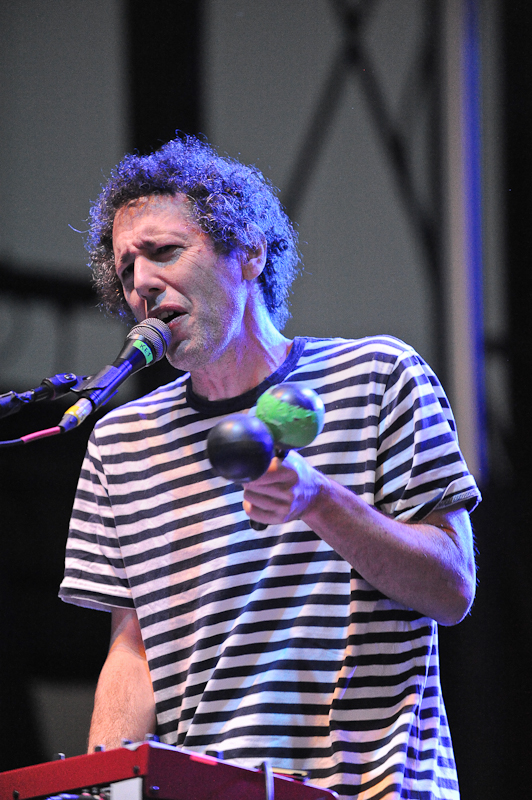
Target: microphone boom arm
column 49, row 389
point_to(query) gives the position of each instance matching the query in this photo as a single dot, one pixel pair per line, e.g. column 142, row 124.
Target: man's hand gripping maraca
column 259, row 450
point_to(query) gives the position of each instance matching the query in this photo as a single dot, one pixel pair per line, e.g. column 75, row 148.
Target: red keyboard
column 156, row 771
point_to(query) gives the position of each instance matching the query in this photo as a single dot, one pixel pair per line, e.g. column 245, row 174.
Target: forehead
column 155, row 214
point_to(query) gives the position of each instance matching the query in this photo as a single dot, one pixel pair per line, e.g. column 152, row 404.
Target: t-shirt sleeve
column 94, row 574
column 420, row 467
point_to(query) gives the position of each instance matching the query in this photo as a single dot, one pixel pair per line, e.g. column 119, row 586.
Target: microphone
column 146, row 343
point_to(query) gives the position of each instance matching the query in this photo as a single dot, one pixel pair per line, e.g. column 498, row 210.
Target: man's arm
column 124, row 705
column 427, row 566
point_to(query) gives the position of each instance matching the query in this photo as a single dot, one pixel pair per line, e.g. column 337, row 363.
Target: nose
column 148, row 281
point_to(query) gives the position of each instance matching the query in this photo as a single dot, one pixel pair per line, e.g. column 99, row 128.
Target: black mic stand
column 49, row 389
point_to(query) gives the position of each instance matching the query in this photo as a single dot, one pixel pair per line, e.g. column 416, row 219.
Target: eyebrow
column 148, row 243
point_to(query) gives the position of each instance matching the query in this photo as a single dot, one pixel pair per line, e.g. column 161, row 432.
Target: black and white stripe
column 268, row 645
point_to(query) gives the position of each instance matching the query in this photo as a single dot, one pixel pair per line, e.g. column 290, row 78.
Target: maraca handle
column 261, row 526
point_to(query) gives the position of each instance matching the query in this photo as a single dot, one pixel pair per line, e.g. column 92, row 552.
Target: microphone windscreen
column 155, row 333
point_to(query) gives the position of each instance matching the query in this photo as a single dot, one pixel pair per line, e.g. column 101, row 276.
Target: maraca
column 240, row 448
column 286, row 416
column 293, row 413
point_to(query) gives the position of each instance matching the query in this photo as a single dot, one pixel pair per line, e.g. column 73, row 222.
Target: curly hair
column 233, row 203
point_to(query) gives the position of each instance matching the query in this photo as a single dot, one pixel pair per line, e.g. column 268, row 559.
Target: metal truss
column 401, row 132
column 395, row 131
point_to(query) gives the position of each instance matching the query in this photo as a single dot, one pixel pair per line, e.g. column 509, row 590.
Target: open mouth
column 169, row 316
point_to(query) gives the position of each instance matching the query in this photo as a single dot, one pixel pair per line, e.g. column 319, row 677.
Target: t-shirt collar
column 231, row 405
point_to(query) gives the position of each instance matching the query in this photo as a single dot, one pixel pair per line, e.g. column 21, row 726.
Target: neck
column 245, row 364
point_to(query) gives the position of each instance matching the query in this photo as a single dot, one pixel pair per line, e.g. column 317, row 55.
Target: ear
column 253, row 260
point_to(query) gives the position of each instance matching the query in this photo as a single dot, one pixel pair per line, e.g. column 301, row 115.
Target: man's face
column 168, row 269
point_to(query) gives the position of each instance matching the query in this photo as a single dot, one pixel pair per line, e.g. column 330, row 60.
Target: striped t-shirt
column 268, row 645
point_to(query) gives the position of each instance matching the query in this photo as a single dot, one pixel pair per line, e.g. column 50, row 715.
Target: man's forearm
column 124, row 706
column 427, row 566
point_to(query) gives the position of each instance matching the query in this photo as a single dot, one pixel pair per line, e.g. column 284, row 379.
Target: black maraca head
column 240, row 448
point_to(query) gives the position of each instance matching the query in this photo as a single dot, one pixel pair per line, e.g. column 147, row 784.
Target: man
column 313, row 643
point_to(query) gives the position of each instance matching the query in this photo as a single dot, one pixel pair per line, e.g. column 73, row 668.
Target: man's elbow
column 460, row 598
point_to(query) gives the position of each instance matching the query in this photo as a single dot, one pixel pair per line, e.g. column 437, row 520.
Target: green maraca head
column 293, row 413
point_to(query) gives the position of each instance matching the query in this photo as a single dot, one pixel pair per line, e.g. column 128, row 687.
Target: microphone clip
column 101, row 380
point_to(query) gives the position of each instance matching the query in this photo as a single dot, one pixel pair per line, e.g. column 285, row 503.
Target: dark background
column 485, row 660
